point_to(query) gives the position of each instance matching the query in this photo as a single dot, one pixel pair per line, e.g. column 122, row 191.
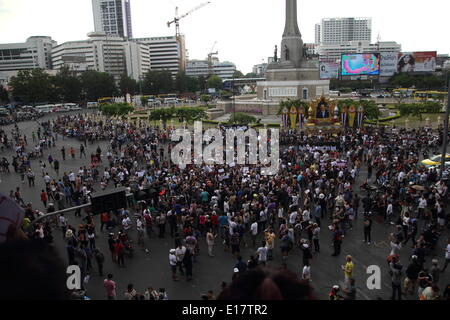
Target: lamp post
column 406, row 123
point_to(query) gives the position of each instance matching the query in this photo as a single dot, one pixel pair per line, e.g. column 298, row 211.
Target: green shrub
column 116, row 109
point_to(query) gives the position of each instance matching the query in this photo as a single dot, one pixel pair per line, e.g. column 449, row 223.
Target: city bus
column 429, row 95
column 108, row 100
column 48, row 108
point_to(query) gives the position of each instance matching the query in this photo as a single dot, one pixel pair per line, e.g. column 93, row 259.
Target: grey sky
column 246, row 31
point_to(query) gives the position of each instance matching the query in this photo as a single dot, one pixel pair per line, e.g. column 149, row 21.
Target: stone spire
column 292, row 44
column 291, row 27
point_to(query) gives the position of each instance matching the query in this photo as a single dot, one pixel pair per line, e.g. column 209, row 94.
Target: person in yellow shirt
column 270, row 242
column 348, row 268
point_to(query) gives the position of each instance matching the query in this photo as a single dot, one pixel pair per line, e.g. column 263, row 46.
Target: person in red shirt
column 44, row 198
column 119, row 249
column 214, row 221
column 104, row 218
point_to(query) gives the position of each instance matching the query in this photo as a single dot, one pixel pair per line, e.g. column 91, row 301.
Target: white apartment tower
column 113, row 17
column 317, row 33
column 113, row 55
column 339, row 30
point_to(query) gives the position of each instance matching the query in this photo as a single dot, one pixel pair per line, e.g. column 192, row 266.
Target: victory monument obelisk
column 292, row 76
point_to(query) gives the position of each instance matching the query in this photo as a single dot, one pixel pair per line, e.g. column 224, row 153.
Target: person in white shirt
column 179, row 253
column 293, row 217
column 254, row 232
column 422, row 206
column 262, row 254
column 173, row 263
column 306, row 273
column 126, row 223
column 389, row 212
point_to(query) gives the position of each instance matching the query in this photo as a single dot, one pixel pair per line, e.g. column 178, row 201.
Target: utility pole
column 445, row 134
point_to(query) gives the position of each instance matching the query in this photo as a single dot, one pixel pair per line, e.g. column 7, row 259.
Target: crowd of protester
column 314, row 195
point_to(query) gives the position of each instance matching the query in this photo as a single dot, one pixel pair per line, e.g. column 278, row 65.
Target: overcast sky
column 246, row 31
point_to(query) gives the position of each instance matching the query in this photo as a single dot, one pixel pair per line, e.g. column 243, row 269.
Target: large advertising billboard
column 329, row 70
column 424, row 61
column 360, row 64
column 388, row 64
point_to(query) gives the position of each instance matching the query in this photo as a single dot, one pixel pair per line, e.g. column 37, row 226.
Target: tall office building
column 35, row 52
column 339, row 30
column 113, row 17
column 166, row 53
column 113, row 55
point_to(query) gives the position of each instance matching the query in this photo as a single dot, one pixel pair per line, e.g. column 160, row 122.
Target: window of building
column 305, row 93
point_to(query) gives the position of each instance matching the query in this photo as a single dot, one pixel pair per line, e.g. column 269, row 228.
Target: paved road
column 152, row 269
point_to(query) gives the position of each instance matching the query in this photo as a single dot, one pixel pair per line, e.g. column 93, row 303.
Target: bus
column 429, row 95
column 108, row 100
column 406, row 93
column 47, row 108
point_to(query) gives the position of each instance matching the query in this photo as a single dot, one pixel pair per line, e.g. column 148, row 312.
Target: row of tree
column 37, row 86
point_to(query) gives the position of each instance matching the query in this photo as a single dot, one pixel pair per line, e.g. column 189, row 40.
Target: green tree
column 163, row 114
column 241, row 118
column 181, row 82
column 205, row 98
column 215, row 82
column 32, row 86
column 127, row 85
column 190, row 114
column 98, row 85
column 3, row 95
column 144, row 101
column 202, row 82
column 193, row 84
column 251, row 75
column 68, row 85
column 157, row 82
column 238, row 74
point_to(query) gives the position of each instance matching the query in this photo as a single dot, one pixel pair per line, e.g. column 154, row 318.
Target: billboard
column 424, row 61
column 388, row 64
column 360, row 64
column 329, row 70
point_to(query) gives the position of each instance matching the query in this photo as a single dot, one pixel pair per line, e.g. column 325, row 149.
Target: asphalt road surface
column 152, row 269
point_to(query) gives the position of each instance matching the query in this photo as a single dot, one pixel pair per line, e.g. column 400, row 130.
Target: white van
column 48, row 108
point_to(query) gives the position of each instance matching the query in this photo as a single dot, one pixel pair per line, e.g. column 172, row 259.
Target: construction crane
column 211, row 54
column 177, row 18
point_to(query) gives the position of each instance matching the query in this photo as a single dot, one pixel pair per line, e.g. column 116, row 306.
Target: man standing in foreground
column 110, row 287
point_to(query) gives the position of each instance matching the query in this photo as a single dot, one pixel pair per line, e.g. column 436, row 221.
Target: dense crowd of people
column 314, row 195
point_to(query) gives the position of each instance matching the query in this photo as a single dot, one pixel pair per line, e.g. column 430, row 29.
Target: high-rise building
column 166, row 53
column 113, row 55
column 113, row 17
column 317, row 33
column 34, row 53
column 338, row 30
column 333, row 52
column 197, row 68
